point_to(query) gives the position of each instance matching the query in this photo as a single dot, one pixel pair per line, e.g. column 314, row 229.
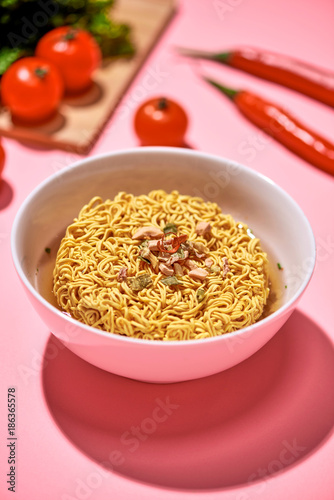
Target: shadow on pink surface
column 6, row 194
column 239, row 426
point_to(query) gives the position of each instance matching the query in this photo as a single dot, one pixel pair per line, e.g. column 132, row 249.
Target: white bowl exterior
column 248, row 196
column 151, row 361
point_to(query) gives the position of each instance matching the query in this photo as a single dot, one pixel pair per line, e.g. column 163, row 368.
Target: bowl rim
column 160, row 150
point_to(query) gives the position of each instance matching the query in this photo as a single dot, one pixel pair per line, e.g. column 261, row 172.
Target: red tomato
column 75, row 52
column 2, row 159
column 32, row 89
column 161, row 122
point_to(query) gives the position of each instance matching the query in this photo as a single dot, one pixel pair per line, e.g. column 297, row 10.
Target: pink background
column 226, row 435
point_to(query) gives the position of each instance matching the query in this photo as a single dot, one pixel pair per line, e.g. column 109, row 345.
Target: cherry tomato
column 161, row 122
column 75, row 52
column 2, row 160
column 32, row 89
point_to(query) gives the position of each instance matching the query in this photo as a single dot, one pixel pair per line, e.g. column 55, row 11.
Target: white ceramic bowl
column 271, row 213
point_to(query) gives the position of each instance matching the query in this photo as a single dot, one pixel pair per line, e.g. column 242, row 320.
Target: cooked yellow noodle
column 99, row 243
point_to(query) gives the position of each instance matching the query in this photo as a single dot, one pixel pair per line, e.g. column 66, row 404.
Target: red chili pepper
column 160, row 246
column 176, row 243
column 181, row 239
column 286, row 129
column 292, row 73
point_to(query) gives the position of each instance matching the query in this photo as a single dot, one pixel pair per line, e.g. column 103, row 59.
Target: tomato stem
column 162, row 103
column 70, row 35
column 41, row 72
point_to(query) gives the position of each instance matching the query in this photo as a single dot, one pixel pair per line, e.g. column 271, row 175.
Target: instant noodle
column 162, row 267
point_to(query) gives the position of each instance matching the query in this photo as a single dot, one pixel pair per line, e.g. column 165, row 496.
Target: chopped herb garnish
column 286, row 286
column 279, row 266
column 143, row 244
column 200, row 294
column 170, row 228
column 171, row 280
column 48, row 250
column 140, row 282
column 143, row 259
column 180, row 253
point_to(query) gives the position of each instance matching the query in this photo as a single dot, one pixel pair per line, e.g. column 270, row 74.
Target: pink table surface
column 272, row 413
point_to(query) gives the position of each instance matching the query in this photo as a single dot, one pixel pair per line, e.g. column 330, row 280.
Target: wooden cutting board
column 80, row 120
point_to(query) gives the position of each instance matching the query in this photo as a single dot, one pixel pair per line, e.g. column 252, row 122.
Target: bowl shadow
column 251, row 421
